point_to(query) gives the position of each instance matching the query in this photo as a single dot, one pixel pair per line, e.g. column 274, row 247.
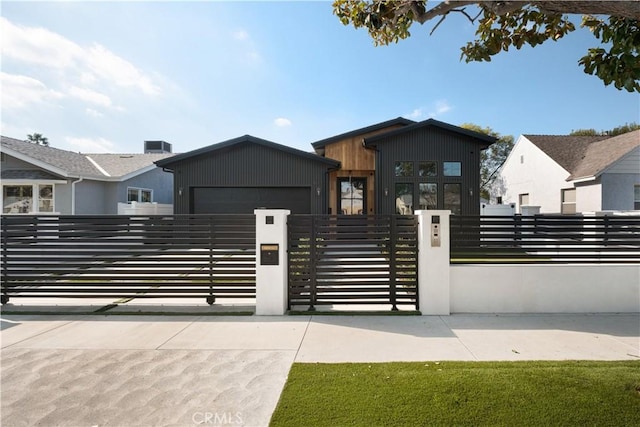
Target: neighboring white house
column 572, row 174
column 39, row 179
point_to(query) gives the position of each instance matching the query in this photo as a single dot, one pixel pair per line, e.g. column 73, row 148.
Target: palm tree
column 37, row 138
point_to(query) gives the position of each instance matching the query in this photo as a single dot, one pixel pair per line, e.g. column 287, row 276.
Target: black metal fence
column 545, row 239
column 208, row 256
column 353, row 260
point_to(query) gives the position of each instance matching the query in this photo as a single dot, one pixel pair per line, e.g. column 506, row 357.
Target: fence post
column 433, row 262
column 271, row 261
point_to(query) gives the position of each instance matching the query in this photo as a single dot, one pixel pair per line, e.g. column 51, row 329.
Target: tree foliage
column 618, row 130
column 505, row 24
column 38, row 138
column 492, row 158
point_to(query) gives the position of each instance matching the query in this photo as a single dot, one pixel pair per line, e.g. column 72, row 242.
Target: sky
column 105, row 76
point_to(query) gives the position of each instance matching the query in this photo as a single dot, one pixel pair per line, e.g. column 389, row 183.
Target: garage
column 242, row 174
column 244, row 200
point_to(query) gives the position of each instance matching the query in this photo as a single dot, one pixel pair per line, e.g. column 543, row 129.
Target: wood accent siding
column 355, row 161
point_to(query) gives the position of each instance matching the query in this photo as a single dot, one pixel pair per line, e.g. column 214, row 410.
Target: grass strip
column 461, row 394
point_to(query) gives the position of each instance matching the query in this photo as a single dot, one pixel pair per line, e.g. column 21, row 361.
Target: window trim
column 35, row 195
column 139, row 190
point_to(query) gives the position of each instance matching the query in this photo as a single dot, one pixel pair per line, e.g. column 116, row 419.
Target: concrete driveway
column 187, row 370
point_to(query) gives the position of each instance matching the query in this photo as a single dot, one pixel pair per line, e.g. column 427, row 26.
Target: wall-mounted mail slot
column 269, row 254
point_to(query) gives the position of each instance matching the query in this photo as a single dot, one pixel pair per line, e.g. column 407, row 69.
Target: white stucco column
column 433, row 262
column 271, row 261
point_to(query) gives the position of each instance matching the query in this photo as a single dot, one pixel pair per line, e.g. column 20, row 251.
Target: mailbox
column 269, row 254
column 435, row 231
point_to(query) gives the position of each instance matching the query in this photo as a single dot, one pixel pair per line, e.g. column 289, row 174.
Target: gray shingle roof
column 74, row 164
column 124, row 164
column 585, row 156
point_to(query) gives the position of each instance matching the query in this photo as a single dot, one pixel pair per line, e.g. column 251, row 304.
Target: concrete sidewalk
column 113, row 370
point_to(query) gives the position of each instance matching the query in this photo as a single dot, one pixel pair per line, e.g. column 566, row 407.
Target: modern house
column 573, row 174
column 245, row 173
column 397, row 166
column 39, row 179
column 411, row 166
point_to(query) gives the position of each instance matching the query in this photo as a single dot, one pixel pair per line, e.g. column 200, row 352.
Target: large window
column 404, row 198
column 428, row 169
column 452, row 169
column 636, row 197
column 452, row 199
column 29, row 198
column 352, row 196
column 568, row 201
column 142, row 195
column 404, row 168
column 428, row 195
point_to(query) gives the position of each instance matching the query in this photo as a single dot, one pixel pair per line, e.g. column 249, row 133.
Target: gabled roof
column 69, row 164
column 368, row 129
column 479, row 137
column 566, row 150
column 242, row 140
column 586, row 156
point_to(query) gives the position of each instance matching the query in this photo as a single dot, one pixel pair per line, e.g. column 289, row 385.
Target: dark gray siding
column 429, row 144
column 250, row 165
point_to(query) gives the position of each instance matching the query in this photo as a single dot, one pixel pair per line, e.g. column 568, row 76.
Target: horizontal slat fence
column 208, row 256
column 545, row 239
column 352, row 260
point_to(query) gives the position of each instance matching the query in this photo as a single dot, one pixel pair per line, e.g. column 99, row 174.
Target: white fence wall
column 136, row 208
column 593, row 288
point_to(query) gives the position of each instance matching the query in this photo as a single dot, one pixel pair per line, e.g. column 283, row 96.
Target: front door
column 352, row 196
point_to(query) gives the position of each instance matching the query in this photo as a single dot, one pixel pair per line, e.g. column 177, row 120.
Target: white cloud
column 20, row 91
column 442, row 107
column 281, row 122
column 416, row 114
column 91, row 145
column 90, row 96
column 90, row 65
column 93, row 113
column 241, row 35
column 437, row 108
column 109, row 66
column 38, row 46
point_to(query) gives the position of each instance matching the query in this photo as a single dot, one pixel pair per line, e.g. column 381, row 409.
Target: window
column 428, row 195
column 404, row 198
column 17, row 199
column 427, row 169
column 45, row 198
column 142, row 195
column 404, row 168
column 352, row 196
column 568, row 201
column 452, row 169
column 523, row 199
column 452, row 199
column 636, row 197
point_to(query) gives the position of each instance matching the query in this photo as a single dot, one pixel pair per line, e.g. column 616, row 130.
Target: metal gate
column 176, row 256
column 353, row 260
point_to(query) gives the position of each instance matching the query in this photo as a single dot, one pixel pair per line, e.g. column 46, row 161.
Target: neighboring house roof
column 69, row 164
column 480, row 137
column 368, row 129
column 585, row 156
column 246, row 139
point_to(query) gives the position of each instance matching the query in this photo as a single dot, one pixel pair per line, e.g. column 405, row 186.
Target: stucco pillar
column 271, row 261
column 433, row 262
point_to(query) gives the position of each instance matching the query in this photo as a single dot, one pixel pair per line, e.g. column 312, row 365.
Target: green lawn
column 461, row 393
